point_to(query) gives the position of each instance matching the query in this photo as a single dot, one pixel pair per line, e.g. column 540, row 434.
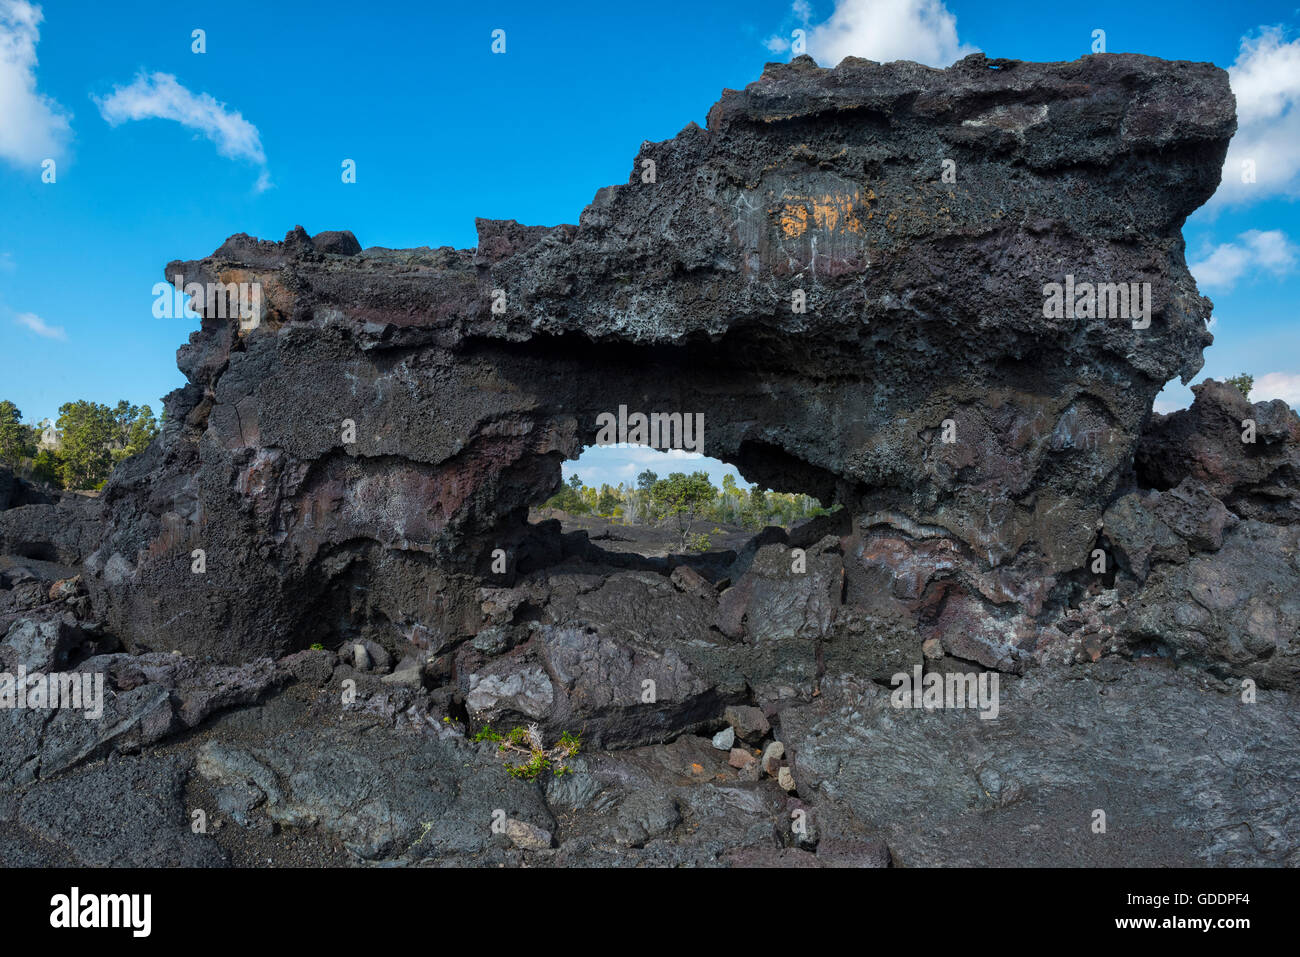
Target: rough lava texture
column 674, row 293
column 1259, row 478
column 341, row 464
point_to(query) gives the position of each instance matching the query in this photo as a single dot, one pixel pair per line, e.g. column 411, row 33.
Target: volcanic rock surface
column 469, row 375
column 290, row 594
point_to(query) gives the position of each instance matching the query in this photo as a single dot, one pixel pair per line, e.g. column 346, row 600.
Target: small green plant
column 698, row 543
column 486, row 733
column 317, row 646
column 528, row 742
column 529, row 770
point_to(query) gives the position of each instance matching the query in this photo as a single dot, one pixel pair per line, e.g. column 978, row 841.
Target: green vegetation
column 91, row 439
column 681, row 498
column 528, row 743
column 1243, row 382
column 16, row 439
column 87, row 457
column 683, row 501
column 529, row 770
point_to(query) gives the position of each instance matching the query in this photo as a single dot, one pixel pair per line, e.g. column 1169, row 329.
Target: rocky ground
column 287, row 775
column 650, row 541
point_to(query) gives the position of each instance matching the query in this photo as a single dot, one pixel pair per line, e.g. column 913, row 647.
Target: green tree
column 135, row 428
column 731, row 501
column 570, row 497
column 683, row 498
column 565, row 499
column 646, row 480
column 756, row 510
column 89, row 430
column 47, row 467
column 16, row 440
column 1243, row 382
column 123, row 417
column 609, row 501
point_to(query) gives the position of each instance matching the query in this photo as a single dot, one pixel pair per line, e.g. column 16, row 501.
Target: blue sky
column 162, row 153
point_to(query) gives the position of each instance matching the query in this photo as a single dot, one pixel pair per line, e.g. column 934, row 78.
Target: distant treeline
column 88, row 440
column 683, row 500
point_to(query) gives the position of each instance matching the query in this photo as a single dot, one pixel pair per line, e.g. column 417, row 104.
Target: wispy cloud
column 884, row 30
column 643, row 453
column 1277, row 385
column 36, row 324
column 33, row 127
column 1266, row 81
column 1268, row 251
column 612, row 464
column 160, row 96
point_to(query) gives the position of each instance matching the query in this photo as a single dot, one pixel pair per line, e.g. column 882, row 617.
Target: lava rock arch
column 846, row 268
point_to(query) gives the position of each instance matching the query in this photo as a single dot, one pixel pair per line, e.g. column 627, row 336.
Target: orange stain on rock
column 829, row 212
column 794, row 220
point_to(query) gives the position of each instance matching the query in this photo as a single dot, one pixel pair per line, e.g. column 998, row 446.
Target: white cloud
column 38, row 325
column 1270, row 251
column 1277, row 385
column 32, row 126
column 1266, row 81
column 612, row 464
column 159, row 96
column 777, row 43
column 884, row 30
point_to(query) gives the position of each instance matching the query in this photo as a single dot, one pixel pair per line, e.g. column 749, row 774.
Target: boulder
column 1247, row 454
